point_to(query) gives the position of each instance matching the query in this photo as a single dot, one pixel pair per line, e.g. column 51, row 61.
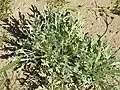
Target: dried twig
column 105, row 18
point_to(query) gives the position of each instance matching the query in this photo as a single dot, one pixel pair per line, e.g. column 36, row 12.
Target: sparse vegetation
column 3, row 37
column 56, row 54
column 52, row 51
column 116, row 8
column 4, row 7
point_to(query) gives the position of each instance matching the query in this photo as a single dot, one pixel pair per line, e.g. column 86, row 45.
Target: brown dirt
column 92, row 25
column 97, row 26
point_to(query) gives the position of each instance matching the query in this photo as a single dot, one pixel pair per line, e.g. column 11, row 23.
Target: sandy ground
column 92, row 25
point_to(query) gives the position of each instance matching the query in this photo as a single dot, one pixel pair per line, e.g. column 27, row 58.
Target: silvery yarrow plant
column 56, row 53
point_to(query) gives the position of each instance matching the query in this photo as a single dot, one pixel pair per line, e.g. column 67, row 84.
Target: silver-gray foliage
column 56, row 54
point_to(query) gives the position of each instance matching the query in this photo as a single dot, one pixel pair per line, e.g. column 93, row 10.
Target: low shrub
column 116, row 8
column 4, row 7
column 57, row 54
